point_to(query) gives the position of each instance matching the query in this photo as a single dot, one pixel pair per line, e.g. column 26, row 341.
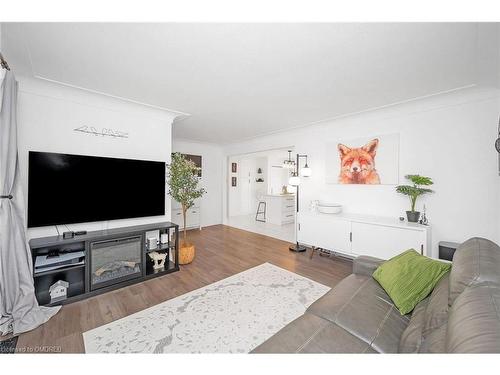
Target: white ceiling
column 239, row 81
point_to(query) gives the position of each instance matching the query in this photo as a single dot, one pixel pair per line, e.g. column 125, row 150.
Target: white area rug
column 233, row 315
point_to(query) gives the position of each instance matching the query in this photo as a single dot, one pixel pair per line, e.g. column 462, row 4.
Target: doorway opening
column 259, row 198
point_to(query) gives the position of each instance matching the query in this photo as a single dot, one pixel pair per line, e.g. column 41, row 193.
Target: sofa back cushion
column 474, row 320
column 435, row 341
column 476, row 260
column 436, row 313
column 426, row 332
column 411, row 338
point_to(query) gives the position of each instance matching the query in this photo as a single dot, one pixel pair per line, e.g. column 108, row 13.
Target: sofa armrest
column 366, row 265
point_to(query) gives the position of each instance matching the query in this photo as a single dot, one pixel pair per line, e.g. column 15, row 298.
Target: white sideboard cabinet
column 354, row 235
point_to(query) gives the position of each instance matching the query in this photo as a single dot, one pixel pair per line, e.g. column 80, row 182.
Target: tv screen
column 64, row 189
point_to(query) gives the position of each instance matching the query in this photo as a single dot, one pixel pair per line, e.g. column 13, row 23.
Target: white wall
column 48, row 113
column 211, row 177
column 449, row 138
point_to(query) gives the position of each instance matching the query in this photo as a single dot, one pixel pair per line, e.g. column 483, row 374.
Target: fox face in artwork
column 357, row 165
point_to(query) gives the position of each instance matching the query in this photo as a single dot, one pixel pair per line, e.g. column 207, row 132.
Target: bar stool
column 261, row 208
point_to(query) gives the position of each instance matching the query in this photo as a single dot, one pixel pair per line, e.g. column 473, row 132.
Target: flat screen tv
column 65, row 189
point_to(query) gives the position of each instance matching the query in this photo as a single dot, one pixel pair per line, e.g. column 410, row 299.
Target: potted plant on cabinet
column 413, row 192
column 183, row 183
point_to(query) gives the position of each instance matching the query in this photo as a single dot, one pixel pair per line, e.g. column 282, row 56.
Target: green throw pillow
column 409, row 277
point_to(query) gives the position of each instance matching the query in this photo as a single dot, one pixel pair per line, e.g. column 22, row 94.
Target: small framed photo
column 233, row 181
column 234, row 168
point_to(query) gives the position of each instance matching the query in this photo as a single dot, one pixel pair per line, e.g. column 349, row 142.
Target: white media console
column 354, row 235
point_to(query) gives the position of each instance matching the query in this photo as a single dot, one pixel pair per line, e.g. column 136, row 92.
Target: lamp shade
column 294, row 180
column 306, row 171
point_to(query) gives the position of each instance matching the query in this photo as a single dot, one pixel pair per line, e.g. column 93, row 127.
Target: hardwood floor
column 221, row 251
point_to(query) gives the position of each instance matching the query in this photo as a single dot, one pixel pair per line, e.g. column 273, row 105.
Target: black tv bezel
column 37, row 225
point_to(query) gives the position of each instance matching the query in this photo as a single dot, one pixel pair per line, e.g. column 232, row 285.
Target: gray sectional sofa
column 461, row 315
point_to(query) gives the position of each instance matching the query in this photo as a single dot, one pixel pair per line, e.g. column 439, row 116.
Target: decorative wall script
column 104, row 132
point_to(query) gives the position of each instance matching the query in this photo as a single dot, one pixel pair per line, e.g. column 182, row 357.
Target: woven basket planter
column 186, row 253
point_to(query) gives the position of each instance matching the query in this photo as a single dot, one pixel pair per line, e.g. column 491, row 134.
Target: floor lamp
column 295, row 181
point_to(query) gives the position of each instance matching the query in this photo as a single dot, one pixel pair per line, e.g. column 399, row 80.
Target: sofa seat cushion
column 312, row 334
column 359, row 305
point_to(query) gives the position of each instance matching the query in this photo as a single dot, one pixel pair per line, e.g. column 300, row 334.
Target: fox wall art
column 366, row 161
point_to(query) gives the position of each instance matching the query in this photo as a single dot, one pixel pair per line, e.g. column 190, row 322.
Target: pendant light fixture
column 289, row 163
column 306, row 171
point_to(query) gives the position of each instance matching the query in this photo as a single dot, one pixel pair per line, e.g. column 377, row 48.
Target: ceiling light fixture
column 289, row 163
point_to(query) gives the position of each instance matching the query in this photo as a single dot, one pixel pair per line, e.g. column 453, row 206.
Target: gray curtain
column 18, row 306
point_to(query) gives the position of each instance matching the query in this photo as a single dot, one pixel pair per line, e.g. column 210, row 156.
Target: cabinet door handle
column 350, row 236
column 178, row 213
column 289, row 206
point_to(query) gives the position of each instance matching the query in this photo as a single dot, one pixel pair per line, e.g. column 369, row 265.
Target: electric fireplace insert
column 115, row 261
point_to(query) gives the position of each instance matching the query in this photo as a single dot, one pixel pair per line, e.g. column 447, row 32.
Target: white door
column 325, row 232
column 384, row 242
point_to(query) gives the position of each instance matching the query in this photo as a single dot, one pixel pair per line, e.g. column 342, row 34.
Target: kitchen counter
column 280, row 208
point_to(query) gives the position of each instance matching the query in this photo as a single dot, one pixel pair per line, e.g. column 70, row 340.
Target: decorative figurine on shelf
column 158, row 259
column 424, row 220
column 58, row 291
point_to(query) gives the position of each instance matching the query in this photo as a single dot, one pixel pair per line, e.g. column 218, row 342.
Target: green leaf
column 419, row 180
column 415, row 190
column 183, row 182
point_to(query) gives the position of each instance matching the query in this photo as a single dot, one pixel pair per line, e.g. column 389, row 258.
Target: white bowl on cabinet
column 329, row 208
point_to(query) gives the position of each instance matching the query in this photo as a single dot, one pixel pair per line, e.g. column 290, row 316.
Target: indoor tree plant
column 183, row 187
column 413, row 192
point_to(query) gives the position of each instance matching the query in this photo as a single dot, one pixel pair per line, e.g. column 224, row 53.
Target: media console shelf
column 103, row 260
